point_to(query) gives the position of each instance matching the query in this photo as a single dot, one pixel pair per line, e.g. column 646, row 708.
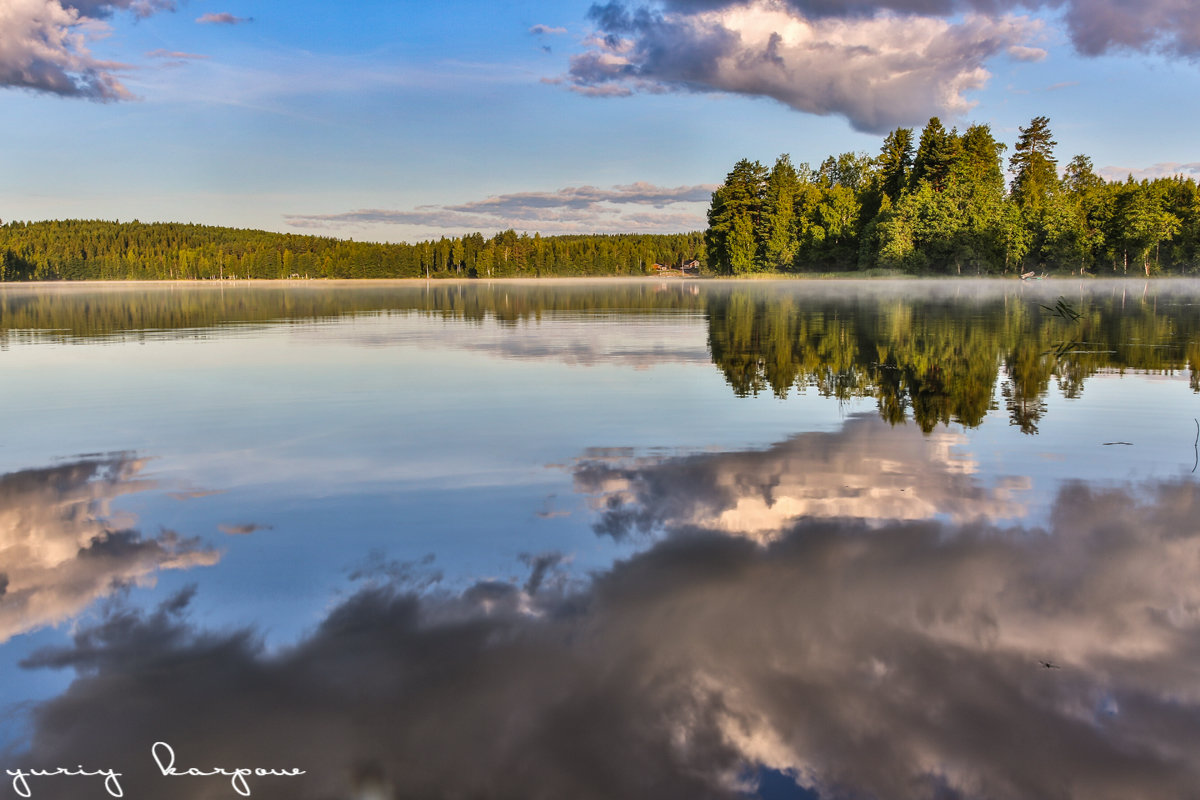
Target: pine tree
column 734, row 217
column 779, row 228
column 1033, row 165
column 935, row 155
column 895, row 162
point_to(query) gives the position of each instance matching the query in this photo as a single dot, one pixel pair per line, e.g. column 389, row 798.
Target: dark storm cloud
column 898, row 661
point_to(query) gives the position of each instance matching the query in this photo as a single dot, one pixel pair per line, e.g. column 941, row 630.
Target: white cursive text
column 164, row 756
column 21, row 778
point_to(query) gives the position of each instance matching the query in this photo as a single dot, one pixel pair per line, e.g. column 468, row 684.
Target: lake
column 601, row 539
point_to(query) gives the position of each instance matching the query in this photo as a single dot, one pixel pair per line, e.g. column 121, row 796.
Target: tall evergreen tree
column 895, row 162
column 977, row 161
column 779, row 223
column 1033, row 165
column 935, row 155
column 733, row 217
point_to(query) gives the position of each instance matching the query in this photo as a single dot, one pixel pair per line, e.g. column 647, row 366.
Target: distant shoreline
column 593, row 279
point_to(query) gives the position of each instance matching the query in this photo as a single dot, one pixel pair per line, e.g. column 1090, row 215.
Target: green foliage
column 941, row 209
column 946, row 210
column 1033, row 165
column 935, row 157
column 98, row 250
column 780, row 242
column 734, row 217
column 895, row 162
column 921, row 358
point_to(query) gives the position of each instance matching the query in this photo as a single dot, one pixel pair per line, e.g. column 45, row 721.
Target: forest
column 940, row 204
column 934, row 204
column 99, row 250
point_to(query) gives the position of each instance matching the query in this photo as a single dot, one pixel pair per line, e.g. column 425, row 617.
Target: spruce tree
column 895, row 162
column 733, row 218
column 1033, row 165
column 935, row 155
column 779, row 228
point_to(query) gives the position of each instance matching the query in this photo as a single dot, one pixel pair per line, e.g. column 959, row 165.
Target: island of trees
column 934, row 205
column 940, row 204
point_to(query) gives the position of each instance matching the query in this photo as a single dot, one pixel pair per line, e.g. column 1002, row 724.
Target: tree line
column 940, row 204
column 934, row 204
column 101, row 250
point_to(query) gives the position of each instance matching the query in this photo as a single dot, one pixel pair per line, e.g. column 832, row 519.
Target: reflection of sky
column 61, row 547
column 896, row 661
column 333, row 468
column 867, row 471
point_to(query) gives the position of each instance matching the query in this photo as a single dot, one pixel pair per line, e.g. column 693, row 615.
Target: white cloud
column 177, row 55
column 1163, row 169
column 878, row 71
column 43, row 47
column 1021, row 52
column 1094, row 26
column 222, row 18
column 574, row 209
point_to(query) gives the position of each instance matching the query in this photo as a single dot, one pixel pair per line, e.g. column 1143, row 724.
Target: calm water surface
column 610, row 539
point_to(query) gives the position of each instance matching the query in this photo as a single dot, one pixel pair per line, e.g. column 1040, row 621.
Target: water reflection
column 926, row 350
column 897, row 660
column 85, row 312
column 63, row 547
column 868, row 470
column 822, row 594
column 938, row 359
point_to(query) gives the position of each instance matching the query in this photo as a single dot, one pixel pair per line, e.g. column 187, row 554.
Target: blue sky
column 398, row 120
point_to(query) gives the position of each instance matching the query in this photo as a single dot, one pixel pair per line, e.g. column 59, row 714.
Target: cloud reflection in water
column 894, row 659
column 868, row 470
column 62, row 546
